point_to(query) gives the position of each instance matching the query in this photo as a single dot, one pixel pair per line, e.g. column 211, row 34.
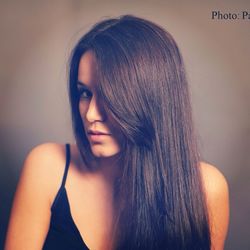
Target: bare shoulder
column 217, row 195
column 46, row 151
column 214, row 180
column 46, row 161
column 39, row 180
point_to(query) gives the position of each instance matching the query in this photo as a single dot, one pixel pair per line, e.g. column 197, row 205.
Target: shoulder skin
column 217, row 195
column 39, row 181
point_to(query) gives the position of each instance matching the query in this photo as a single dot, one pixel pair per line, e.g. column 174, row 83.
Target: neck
column 108, row 168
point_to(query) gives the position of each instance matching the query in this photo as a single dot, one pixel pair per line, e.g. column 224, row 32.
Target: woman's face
column 103, row 141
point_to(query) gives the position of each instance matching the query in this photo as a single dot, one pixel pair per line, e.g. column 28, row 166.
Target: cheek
column 113, row 146
column 82, row 109
column 118, row 135
column 120, row 140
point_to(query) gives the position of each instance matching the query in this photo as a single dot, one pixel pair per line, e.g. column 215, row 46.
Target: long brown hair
column 144, row 89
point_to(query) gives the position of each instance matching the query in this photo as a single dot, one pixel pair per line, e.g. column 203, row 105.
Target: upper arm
column 217, row 195
column 30, row 214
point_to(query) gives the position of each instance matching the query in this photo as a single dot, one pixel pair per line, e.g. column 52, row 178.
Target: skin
column 90, row 193
column 90, row 109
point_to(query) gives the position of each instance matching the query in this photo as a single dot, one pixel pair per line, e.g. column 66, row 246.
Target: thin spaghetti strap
column 67, row 164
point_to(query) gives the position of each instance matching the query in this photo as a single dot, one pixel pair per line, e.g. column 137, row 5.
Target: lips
column 97, row 132
column 96, row 136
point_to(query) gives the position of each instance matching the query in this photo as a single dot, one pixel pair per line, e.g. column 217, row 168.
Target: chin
column 104, row 153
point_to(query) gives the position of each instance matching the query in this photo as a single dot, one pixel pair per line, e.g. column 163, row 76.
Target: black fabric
column 63, row 233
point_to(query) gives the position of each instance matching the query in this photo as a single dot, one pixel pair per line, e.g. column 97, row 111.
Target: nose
column 95, row 111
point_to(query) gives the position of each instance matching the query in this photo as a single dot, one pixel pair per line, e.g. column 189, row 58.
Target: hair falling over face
column 161, row 203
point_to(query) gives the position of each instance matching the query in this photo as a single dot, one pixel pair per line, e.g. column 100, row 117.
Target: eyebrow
column 82, row 84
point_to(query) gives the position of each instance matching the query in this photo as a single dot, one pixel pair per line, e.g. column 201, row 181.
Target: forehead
column 87, row 71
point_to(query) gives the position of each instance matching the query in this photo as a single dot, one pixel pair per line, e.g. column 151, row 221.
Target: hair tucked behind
column 161, row 203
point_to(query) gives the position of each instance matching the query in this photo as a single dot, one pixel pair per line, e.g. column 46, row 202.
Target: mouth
column 96, row 136
column 96, row 132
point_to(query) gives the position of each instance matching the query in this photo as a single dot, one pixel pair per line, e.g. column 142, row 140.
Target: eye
column 84, row 94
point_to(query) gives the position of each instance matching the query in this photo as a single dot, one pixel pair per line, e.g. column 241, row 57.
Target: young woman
column 134, row 179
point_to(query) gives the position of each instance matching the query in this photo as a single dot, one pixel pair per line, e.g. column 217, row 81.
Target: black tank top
column 63, row 233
